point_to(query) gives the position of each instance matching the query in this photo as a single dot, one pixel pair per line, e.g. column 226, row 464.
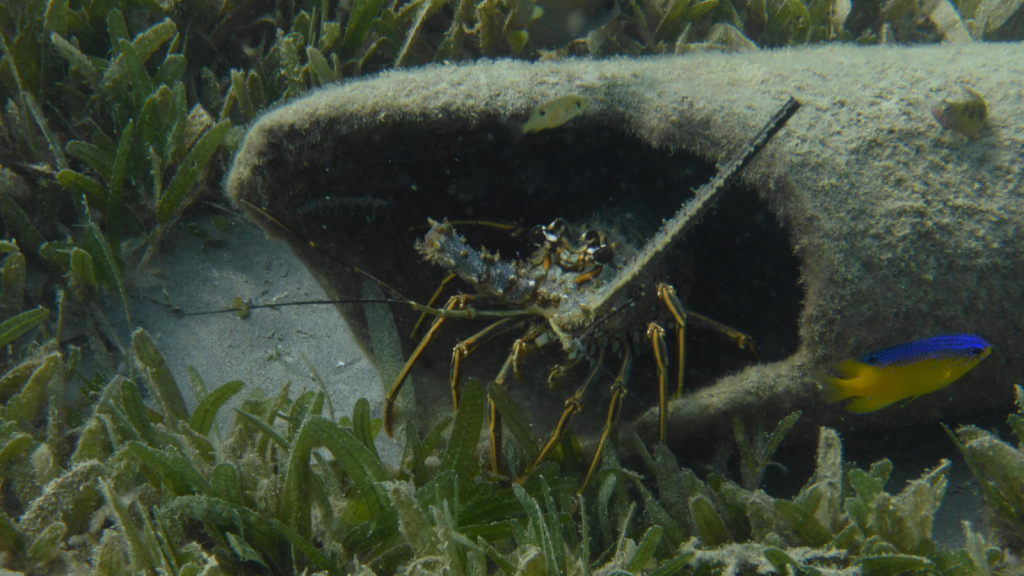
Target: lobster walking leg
column 573, row 406
column 463, row 349
column 455, row 302
column 520, row 347
column 437, row 294
column 614, row 408
column 742, row 340
column 657, row 336
column 667, row 294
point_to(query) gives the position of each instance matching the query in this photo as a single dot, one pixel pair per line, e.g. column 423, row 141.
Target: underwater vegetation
column 117, row 115
column 136, row 106
column 108, row 483
column 999, row 469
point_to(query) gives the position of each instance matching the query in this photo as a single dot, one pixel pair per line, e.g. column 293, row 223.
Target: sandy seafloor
column 267, row 349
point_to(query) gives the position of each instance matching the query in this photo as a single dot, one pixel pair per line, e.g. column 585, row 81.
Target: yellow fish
column 555, row 113
column 966, row 117
column 877, row 379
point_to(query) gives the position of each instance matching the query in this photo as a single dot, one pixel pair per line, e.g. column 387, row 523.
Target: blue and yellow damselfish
column 879, row 378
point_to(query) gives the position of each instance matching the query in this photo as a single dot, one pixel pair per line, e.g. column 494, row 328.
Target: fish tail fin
column 517, row 130
column 834, row 389
column 839, row 388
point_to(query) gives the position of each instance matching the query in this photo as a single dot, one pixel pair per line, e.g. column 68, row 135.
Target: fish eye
column 975, row 351
column 871, row 360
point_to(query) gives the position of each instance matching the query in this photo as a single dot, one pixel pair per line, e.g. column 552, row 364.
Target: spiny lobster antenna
column 355, row 269
column 691, row 212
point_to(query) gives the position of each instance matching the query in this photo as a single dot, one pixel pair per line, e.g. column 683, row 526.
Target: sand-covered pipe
column 902, row 229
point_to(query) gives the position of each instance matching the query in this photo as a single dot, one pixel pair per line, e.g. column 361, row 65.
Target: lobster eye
column 537, row 235
column 559, row 226
column 604, row 255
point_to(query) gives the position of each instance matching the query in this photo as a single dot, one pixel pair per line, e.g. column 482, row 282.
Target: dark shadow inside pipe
column 364, row 198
